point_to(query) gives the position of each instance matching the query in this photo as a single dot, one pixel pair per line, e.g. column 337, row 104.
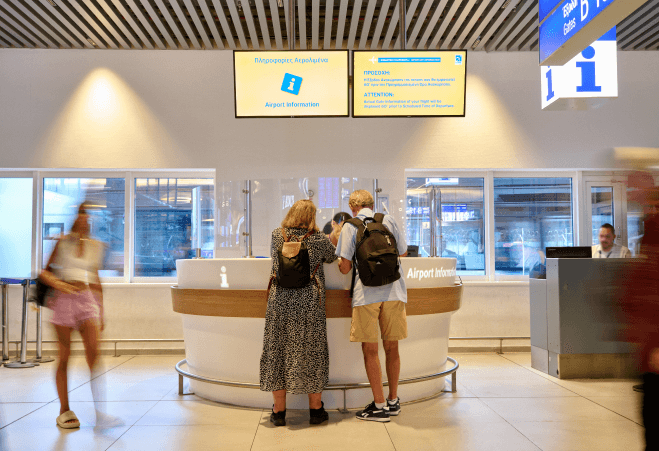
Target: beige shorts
column 390, row 315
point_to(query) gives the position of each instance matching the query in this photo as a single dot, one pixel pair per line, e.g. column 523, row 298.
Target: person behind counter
column 339, row 219
column 72, row 271
column 372, row 305
column 295, row 356
column 607, row 247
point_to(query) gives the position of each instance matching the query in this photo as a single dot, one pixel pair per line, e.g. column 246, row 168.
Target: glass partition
column 530, row 214
column 173, row 218
column 16, row 227
column 61, row 198
column 459, row 226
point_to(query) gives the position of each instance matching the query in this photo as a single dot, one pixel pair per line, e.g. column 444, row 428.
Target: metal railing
column 345, row 387
column 111, row 340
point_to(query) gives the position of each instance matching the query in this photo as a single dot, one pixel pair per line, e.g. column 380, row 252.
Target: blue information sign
column 545, row 7
column 567, row 20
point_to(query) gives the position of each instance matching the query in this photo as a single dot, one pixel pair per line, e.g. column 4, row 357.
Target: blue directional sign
column 568, row 20
column 545, row 7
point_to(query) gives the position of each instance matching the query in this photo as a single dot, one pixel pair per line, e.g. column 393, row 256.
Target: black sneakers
column 317, row 416
column 372, row 413
column 394, row 407
column 278, row 418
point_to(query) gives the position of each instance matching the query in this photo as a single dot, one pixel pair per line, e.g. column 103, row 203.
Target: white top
column 617, row 251
column 73, row 268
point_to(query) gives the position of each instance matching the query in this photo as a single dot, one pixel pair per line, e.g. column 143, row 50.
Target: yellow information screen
column 414, row 83
column 291, row 83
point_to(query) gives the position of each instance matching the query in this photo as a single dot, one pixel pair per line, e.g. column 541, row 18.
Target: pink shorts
column 71, row 310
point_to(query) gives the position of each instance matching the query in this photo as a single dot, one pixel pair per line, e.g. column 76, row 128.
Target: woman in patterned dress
column 295, row 355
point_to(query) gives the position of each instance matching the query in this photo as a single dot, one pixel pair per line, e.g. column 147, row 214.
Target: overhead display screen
column 291, row 83
column 409, row 83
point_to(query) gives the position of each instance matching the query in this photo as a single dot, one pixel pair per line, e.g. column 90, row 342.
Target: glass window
column 459, row 230
column 61, row 198
column 530, row 214
column 16, row 227
column 173, row 218
column 602, row 209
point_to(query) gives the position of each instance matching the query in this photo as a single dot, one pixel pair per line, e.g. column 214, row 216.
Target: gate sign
column 585, row 81
column 576, row 23
column 545, row 7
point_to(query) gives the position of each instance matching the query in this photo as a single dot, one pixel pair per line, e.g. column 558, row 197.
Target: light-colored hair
column 302, row 215
column 360, row 199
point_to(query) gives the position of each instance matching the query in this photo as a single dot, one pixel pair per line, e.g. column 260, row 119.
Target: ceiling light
column 52, row 2
column 505, row 4
column 280, row 3
column 91, row 42
column 476, row 42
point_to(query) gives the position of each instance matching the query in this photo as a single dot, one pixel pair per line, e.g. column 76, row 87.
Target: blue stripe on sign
column 409, row 60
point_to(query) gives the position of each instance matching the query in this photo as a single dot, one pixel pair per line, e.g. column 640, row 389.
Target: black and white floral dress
column 295, row 355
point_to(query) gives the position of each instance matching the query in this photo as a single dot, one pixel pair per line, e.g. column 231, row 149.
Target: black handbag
column 41, row 292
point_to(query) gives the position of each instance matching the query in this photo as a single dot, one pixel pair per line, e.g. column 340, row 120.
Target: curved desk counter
column 223, row 304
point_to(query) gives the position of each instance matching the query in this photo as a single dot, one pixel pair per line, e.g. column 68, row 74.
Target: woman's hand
column 336, row 231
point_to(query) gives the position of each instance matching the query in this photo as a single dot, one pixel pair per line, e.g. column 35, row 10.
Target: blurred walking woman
column 77, row 302
column 295, row 356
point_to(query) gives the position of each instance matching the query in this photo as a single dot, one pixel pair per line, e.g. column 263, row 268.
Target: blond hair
column 360, row 199
column 302, row 215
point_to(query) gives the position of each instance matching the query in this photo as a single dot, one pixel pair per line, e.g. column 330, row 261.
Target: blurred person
column 295, row 356
column 77, row 304
column 640, row 303
column 373, row 305
column 607, row 248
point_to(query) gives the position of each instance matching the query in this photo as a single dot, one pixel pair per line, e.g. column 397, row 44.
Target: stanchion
column 40, row 358
column 23, row 362
column 5, row 326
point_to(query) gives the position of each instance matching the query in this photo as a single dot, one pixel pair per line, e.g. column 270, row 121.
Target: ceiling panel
column 480, row 25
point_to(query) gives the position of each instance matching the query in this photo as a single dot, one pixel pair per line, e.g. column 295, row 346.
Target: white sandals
column 68, row 416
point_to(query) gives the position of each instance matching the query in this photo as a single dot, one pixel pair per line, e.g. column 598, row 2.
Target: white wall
column 174, row 109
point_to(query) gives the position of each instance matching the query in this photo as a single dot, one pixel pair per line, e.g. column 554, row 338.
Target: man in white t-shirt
column 607, row 247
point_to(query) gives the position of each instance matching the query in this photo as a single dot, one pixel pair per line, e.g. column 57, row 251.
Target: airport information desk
column 223, row 303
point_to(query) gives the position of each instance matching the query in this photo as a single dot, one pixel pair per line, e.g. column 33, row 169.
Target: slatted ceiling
column 409, row 17
column 494, row 25
column 183, row 20
column 356, row 14
column 472, row 31
column 523, row 16
column 35, row 25
column 130, row 28
column 340, row 27
column 447, row 20
column 301, row 22
column 393, row 26
column 421, row 20
column 52, row 16
column 642, row 29
column 432, row 23
column 259, row 24
column 466, row 10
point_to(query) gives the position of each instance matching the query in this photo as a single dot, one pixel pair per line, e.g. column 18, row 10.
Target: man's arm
column 345, row 265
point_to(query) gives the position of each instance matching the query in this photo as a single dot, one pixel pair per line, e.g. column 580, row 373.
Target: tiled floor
column 501, row 404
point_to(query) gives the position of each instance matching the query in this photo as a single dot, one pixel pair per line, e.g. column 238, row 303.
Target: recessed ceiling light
column 91, row 42
column 52, row 2
column 505, row 4
column 476, row 42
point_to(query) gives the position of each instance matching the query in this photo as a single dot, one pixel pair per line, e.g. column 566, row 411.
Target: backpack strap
column 379, row 217
column 360, row 226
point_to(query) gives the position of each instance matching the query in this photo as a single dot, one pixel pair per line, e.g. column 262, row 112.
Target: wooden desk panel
column 253, row 303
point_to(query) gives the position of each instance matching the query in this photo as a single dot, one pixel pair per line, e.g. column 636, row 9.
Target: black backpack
column 294, row 267
column 376, row 253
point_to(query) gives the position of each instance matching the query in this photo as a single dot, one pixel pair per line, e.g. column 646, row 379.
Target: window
column 530, row 215
column 173, row 218
column 16, row 227
column 460, row 232
column 61, row 198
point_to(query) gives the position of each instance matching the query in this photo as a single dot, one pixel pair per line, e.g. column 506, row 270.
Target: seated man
column 607, row 247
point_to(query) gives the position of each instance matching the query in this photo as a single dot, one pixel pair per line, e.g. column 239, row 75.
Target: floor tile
column 342, row 432
column 10, row 412
column 198, row 413
column 584, row 435
column 549, row 409
column 195, row 437
column 126, row 412
column 446, row 411
column 462, row 436
column 627, row 406
column 52, row 438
